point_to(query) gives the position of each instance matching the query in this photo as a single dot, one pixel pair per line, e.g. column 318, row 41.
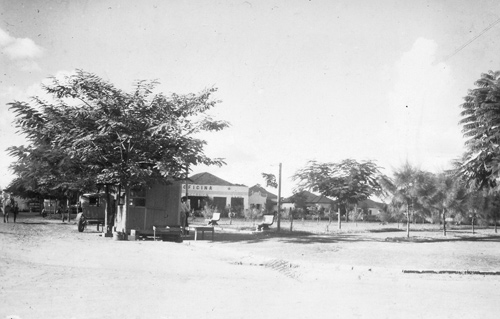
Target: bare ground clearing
column 49, row 270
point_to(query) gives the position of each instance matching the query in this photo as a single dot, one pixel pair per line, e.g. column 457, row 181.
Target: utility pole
column 407, row 220
column 187, row 177
column 279, row 200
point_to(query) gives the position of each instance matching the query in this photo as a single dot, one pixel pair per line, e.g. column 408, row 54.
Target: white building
column 259, row 197
column 207, row 189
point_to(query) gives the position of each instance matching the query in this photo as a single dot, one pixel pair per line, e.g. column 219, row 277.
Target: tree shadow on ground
column 299, row 237
column 33, row 223
column 312, row 238
column 417, row 239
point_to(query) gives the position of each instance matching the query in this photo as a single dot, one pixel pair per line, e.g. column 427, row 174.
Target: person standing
column 60, row 210
column 7, row 208
column 15, row 210
column 184, row 214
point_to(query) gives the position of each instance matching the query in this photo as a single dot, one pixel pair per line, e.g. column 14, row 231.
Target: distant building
column 310, row 200
column 205, row 188
column 259, row 197
column 371, row 207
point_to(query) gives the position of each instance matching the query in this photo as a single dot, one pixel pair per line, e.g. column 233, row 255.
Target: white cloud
column 21, row 50
column 424, row 108
column 5, row 38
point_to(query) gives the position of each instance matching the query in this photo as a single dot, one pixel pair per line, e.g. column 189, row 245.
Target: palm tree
column 450, row 196
column 396, row 210
column 481, row 125
column 413, row 188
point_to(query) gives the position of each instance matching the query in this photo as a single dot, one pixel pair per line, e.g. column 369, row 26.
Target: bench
column 202, row 228
column 268, row 221
column 95, row 221
column 100, row 222
column 215, row 218
column 166, row 233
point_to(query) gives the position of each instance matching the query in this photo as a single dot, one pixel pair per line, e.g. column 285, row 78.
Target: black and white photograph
column 249, row 159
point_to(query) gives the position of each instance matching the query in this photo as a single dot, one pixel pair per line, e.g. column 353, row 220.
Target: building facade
column 260, row 198
column 206, row 189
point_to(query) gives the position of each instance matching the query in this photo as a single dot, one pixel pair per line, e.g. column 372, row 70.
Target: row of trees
column 412, row 194
column 471, row 189
column 87, row 134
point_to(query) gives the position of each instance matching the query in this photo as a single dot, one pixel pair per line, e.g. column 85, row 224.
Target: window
column 138, row 197
column 93, row 201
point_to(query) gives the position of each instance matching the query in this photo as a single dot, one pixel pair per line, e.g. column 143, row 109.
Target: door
column 220, row 203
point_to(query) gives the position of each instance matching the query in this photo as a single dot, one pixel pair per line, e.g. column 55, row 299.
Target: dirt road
column 49, row 270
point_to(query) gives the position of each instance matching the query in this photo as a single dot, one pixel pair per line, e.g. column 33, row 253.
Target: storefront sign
column 198, row 187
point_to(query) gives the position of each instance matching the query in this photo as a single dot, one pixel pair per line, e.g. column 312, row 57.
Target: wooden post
column 495, row 223
column 278, row 221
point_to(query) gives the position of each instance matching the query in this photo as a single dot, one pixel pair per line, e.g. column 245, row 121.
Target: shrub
column 208, row 211
column 253, row 213
column 382, row 217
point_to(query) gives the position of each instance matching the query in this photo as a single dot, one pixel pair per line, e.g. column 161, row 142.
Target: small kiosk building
column 158, row 205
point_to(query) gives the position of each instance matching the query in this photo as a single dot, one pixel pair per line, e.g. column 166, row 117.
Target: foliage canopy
column 92, row 132
column 481, row 126
column 348, row 181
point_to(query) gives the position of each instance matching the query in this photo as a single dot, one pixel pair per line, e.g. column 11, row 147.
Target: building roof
column 262, row 190
column 209, row 179
column 371, row 204
column 312, row 199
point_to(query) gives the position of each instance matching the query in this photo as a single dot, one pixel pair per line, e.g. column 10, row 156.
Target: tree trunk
column 68, row 209
column 124, row 216
column 109, row 209
column 444, row 222
column 339, row 220
column 407, row 221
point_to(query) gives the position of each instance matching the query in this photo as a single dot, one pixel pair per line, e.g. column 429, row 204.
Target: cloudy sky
column 299, row 80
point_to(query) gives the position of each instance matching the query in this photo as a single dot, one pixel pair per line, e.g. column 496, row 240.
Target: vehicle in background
column 93, row 210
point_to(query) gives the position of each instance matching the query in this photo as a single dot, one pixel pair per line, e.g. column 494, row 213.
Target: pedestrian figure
column 184, row 214
column 61, row 211
column 7, row 208
column 15, row 210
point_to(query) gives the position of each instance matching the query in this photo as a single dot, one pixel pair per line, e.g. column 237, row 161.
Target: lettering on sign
column 198, row 187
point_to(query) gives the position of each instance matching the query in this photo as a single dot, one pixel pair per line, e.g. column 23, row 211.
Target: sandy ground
column 50, row 270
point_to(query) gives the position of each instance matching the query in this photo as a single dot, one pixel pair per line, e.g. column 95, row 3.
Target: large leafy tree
column 481, row 126
column 43, row 169
column 348, row 181
column 105, row 135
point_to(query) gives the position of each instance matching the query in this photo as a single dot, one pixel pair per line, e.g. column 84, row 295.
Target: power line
column 471, row 40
